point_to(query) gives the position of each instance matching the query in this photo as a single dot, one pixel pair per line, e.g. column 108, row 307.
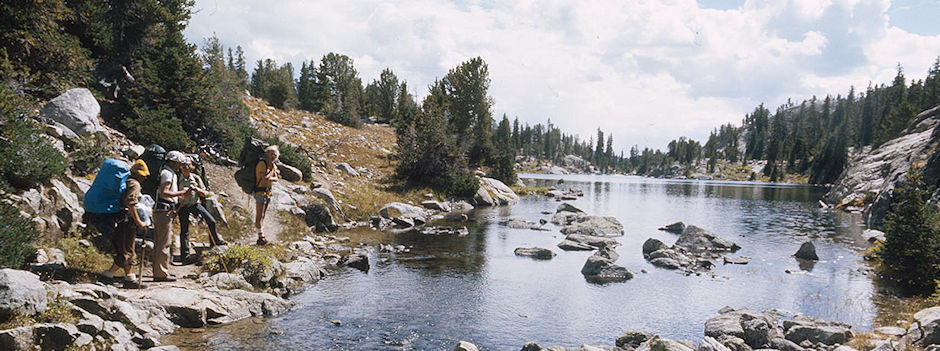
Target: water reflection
column 474, row 288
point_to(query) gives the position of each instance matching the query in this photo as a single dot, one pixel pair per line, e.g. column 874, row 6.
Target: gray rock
column 289, row 173
column 465, row 346
column 88, row 323
column 802, row 328
column 697, row 239
column 77, row 109
column 68, row 210
column 735, row 260
column 710, row 344
column 117, row 332
column 227, row 281
column 304, row 270
column 570, row 245
column 133, row 151
column 676, row 228
column 531, row 346
column 358, row 261
column 566, row 217
column 891, row 331
column 21, row 293
column 600, row 268
column 807, row 251
column 567, row 207
column 666, row 262
column 595, row 241
column 164, row 348
column 493, row 192
column 594, row 225
column 925, row 329
column 319, row 217
column 660, row 344
column 346, row 168
column 401, row 210
column 784, row 345
column 519, row 223
column 734, row 343
column 534, row 252
column 652, row 245
column 633, row 339
column 434, row 205
column 873, row 236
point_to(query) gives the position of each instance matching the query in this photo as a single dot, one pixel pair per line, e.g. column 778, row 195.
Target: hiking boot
column 164, row 279
column 262, row 241
column 189, row 259
column 133, row 284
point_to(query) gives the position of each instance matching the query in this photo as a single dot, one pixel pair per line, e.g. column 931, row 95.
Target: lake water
column 476, row 289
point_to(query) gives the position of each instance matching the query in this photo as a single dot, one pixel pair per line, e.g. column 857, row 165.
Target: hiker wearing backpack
column 124, row 235
column 265, row 175
column 191, row 206
column 168, row 197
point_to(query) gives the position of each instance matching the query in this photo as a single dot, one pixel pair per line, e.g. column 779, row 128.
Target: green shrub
column 345, row 118
column 26, row 156
column 159, row 127
column 17, row 235
column 253, row 262
column 89, row 155
column 911, row 254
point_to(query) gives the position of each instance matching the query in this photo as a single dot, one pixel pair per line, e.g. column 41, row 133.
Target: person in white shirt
column 168, row 196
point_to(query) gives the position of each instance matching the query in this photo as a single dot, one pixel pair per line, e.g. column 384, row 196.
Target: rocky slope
column 867, row 183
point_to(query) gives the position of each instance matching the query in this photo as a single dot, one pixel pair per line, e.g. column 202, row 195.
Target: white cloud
column 647, row 72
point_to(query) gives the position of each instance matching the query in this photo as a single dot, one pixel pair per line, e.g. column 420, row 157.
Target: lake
column 473, row 288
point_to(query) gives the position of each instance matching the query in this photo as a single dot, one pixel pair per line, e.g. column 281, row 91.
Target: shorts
column 261, row 199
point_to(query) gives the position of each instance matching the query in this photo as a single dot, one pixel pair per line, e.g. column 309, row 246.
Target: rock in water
column 802, row 328
column 358, row 261
column 535, row 252
column 675, row 228
column 77, row 109
column 652, row 245
column 633, row 339
column 696, row 239
column 600, row 267
column 493, row 192
column 929, row 331
column 807, row 251
column 570, row 245
column 21, row 293
column 465, row 346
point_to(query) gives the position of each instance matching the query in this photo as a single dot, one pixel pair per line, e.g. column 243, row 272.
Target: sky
column 645, row 72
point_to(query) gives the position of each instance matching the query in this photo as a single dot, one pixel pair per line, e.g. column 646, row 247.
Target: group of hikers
column 114, row 206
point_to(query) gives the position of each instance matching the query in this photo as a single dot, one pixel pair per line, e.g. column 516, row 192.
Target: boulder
column 660, row 344
column 807, row 251
column 358, row 260
column 566, row 217
column 633, row 339
column 802, row 328
column 873, row 236
column 465, row 346
column 594, row 225
column 318, row 216
column 434, row 205
column 69, row 210
column 77, row 109
column 756, row 330
column 289, row 173
column 519, row 223
column 133, row 151
column 600, row 267
column 401, row 210
column 226, row 281
column 652, row 245
column 493, row 192
column 675, row 228
column 567, row 207
column 710, row 344
column 346, row 168
column 534, row 252
column 570, row 245
column 21, row 293
column 697, row 239
column 925, row 329
column 304, row 270
column 531, row 346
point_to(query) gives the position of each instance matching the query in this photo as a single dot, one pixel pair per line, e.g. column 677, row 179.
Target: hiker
column 168, row 195
column 191, row 205
column 265, row 175
column 126, row 231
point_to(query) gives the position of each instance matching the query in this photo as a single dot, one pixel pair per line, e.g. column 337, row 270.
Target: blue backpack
column 104, row 196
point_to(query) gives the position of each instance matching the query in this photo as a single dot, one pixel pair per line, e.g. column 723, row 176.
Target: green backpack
column 154, row 156
column 252, row 152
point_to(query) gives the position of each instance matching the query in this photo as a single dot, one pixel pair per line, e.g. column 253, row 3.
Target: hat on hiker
column 140, row 168
column 176, row 156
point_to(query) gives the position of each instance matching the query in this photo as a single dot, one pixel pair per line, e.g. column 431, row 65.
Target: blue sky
column 647, row 72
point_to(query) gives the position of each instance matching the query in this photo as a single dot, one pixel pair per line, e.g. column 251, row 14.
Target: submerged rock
column 534, row 252
column 600, row 267
column 597, row 242
column 807, row 251
column 675, row 228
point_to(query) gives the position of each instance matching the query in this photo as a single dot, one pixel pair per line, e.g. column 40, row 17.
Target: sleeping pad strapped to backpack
column 252, row 152
column 104, row 195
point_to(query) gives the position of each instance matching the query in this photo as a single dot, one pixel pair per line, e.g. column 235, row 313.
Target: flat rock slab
column 534, row 252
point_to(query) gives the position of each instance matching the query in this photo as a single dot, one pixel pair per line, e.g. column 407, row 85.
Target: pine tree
column 911, row 254
column 468, row 107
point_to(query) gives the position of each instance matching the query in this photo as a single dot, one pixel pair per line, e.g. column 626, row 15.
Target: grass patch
column 529, row 190
column 253, row 262
column 864, row 341
column 367, row 198
column 84, row 257
column 241, row 222
column 294, row 228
